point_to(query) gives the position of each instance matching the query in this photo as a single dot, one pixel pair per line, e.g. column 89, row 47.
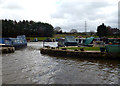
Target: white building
column 73, row 31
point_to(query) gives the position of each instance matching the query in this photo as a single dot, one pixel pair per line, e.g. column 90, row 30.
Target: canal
column 28, row 66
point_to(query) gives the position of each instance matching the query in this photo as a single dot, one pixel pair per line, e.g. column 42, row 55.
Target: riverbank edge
column 80, row 54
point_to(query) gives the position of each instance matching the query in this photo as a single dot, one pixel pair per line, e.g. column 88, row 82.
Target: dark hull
column 20, row 46
column 70, row 44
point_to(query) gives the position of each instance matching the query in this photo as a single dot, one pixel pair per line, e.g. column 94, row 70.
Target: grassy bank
column 63, row 35
column 39, row 38
column 85, row 48
column 76, row 35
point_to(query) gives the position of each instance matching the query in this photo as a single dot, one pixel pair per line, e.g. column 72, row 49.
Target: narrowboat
column 80, row 41
column 85, row 41
column 19, row 42
column 113, row 46
column 70, row 41
column 114, row 40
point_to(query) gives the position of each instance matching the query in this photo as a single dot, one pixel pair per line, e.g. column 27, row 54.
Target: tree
column 109, row 30
column 102, row 30
column 12, row 28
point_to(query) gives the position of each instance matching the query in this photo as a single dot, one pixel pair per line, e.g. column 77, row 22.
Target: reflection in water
column 28, row 66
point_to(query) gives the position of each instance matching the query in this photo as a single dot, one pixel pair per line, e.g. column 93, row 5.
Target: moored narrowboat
column 70, row 41
column 19, row 42
column 113, row 48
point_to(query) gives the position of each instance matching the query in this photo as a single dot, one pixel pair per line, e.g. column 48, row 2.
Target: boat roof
column 70, row 39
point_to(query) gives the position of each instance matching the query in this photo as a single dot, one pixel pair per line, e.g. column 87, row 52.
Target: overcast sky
column 67, row 14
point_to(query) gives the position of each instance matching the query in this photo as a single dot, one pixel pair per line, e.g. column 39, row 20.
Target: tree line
column 103, row 30
column 12, row 28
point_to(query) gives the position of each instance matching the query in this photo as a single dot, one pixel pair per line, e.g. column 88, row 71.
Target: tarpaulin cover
column 70, row 39
column 88, row 40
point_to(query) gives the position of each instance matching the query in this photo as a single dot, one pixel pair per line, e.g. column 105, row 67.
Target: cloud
column 10, row 5
column 78, row 8
column 75, row 12
column 67, row 14
column 36, row 10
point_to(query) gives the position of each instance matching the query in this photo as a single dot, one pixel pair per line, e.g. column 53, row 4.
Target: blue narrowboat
column 18, row 42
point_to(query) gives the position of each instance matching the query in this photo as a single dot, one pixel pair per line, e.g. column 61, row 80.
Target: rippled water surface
column 28, row 66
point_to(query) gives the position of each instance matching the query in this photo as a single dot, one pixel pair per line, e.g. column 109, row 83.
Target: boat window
column 7, row 42
column 20, row 41
column 79, row 40
column 15, row 41
column 83, row 41
column 24, row 41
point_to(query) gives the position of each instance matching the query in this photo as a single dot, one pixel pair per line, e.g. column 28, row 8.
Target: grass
column 85, row 48
column 63, row 35
column 78, row 34
column 39, row 38
column 75, row 35
column 56, row 36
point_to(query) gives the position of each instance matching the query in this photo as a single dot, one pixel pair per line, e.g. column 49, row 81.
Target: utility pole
column 119, row 15
column 85, row 26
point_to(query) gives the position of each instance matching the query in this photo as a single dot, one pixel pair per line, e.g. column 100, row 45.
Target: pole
column 85, row 27
column 43, row 44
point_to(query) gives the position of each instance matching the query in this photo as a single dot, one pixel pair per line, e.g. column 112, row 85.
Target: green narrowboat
column 113, row 48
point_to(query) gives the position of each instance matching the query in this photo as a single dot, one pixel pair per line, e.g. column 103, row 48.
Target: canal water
column 29, row 66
